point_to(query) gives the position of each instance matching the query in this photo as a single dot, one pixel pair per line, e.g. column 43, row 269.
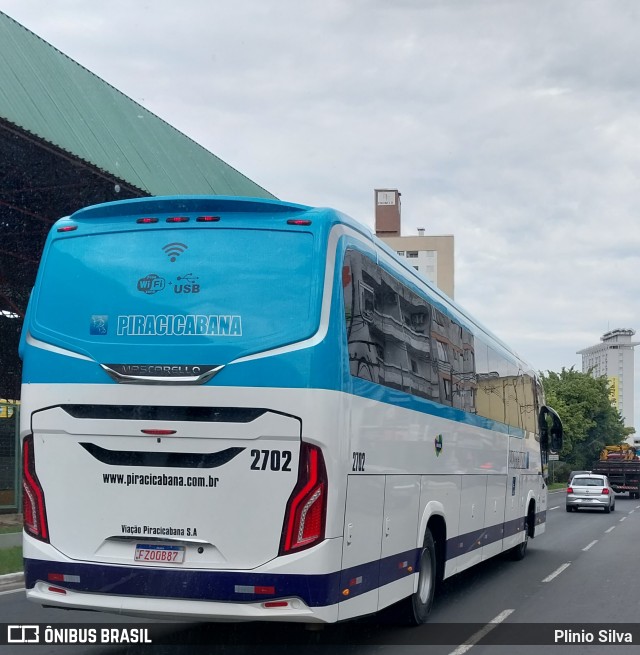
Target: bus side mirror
column 550, row 430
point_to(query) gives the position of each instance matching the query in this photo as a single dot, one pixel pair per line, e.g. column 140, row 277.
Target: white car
column 590, row 490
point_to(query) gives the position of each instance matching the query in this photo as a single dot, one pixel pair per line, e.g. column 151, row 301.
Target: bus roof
column 245, row 205
column 166, row 204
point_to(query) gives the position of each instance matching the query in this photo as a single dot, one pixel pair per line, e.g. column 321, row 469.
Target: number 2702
column 358, row 461
column 274, row 460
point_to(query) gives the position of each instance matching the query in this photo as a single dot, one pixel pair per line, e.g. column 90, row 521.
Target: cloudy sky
column 512, row 124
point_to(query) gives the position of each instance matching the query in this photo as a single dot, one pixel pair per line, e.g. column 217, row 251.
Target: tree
column 589, row 420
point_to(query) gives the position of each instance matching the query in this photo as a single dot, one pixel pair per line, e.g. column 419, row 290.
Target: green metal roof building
column 47, row 94
column 68, row 139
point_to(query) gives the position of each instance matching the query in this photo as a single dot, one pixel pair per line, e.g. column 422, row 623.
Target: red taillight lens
column 605, row 492
column 569, row 490
column 147, row 220
column 67, row 228
column 298, row 221
column 178, row 219
column 208, row 219
column 158, row 433
column 33, row 507
column 305, row 517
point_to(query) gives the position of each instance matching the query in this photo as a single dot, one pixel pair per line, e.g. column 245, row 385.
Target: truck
column 621, row 464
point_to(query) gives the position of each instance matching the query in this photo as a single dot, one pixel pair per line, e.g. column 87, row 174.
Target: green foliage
column 8, row 529
column 10, row 560
column 589, row 420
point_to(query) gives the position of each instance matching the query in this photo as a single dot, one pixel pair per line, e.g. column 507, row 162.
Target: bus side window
column 367, row 302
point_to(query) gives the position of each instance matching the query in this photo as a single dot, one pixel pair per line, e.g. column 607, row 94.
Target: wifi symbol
column 174, row 250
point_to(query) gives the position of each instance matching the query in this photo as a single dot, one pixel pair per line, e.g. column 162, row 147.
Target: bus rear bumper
column 281, row 609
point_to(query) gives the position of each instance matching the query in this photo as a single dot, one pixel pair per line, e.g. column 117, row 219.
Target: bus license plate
column 158, row 554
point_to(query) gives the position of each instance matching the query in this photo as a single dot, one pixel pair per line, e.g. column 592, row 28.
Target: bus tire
column 520, row 550
column 417, row 607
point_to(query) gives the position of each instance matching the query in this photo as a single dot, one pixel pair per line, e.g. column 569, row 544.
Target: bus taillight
column 33, row 508
column 305, row 518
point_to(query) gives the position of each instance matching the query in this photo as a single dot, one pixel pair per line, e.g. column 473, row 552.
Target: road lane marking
column 557, row 572
column 552, row 508
column 611, row 529
column 475, row 638
column 593, row 543
column 624, row 518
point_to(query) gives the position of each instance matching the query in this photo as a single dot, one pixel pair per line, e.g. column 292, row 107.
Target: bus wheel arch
column 438, row 529
column 417, row 607
column 518, row 552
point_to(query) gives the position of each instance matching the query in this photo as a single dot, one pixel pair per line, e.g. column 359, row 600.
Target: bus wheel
column 520, row 550
column 418, row 606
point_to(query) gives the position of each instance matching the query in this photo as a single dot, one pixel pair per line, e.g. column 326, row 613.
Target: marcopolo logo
column 184, row 325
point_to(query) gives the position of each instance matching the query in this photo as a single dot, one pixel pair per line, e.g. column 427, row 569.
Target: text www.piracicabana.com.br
column 159, row 480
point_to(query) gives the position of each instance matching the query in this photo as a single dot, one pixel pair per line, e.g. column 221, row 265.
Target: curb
column 11, row 581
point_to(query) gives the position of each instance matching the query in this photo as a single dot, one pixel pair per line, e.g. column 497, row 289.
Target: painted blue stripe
column 316, row 590
column 467, row 543
column 541, row 517
column 399, row 566
column 471, row 541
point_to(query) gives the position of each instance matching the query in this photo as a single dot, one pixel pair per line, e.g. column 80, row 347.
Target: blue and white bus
column 242, row 409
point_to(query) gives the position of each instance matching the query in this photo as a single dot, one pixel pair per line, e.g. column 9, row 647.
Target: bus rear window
column 246, row 289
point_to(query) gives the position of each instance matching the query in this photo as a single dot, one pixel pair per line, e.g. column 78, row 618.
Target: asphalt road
column 584, row 570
